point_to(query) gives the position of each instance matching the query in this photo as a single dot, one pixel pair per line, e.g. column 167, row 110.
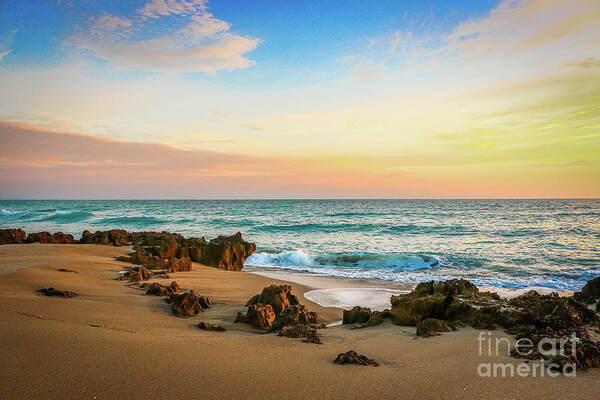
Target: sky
column 299, row 99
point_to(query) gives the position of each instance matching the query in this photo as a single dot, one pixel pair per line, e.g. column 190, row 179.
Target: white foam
column 376, row 299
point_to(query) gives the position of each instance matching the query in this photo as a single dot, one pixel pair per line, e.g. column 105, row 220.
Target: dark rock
column 277, row 296
column 56, row 292
column 352, row 357
column 12, row 236
column 211, row 327
column 67, row 270
column 156, row 289
column 116, row 237
column 431, row 327
column 187, row 304
column 260, row 316
column 135, row 274
column 295, row 315
column 226, row 252
column 47, row 237
column 590, row 293
column 358, row 315
column 179, row 264
column 309, row 334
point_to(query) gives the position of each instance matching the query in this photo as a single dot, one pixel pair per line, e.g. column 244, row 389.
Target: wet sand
column 115, row 342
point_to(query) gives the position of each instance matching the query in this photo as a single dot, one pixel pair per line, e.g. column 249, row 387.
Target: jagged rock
column 179, row 264
column 352, row 357
column 211, row 327
column 278, row 296
column 188, row 304
column 47, row 237
column 67, row 270
column 227, row 252
column 431, row 327
column 12, row 236
column 309, row 334
column 135, row 274
column 376, row 318
column 590, row 293
column 260, row 315
column 452, row 300
column 156, row 289
column 358, row 315
column 116, row 237
column 126, row 259
column 56, row 292
column 295, row 315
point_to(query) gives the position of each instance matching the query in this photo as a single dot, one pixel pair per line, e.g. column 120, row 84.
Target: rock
column 431, row 327
column 59, row 293
column 260, row 315
column 116, row 237
column 295, row 315
column 241, row 318
column 590, row 293
column 309, row 334
column 135, row 274
column 211, row 327
column 277, row 296
column 179, row 264
column 47, row 237
column 187, row 304
column 352, row 357
column 358, row 315
column 226, row 252
column 67, row 270
column 156, row 289
column 126, row 259
column 12, row 236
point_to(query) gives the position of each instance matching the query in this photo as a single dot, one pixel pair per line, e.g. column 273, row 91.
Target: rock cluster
column 156, row 289
column 135, row 274
column 57, row 292
column 308, row 334
column 352, row 357
column 188, row 304
column 12, row 236
column 439, row 306
column 154, row 250
column 210, row 327
column 276, row 308
column 54, row 238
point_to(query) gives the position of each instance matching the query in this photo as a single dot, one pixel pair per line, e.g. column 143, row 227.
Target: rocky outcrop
column 12, row 236
column 352, row 357
column 590, row 293
column 188, row 304
column 276, row 307
column 175, row 264
column 295, row 315
column 58, row 293
column 308, row 334
column 432, row 327
column 226, row 252
column 277, row 296
column 358, row 315
column 47, row 237
column 210, row 327
column 259, row 315
column 156, row 289
column 116, row 237
column 135, row 274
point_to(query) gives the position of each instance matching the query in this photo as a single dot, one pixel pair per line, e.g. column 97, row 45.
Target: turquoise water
column 503, row 243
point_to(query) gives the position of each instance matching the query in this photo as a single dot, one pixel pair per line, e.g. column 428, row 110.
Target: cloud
column 3, row 54
column 367, row 71
column 590, row 62
column 158, row 8
column 167, row 36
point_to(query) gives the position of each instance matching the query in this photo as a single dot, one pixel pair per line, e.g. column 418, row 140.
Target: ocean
column 548, row 244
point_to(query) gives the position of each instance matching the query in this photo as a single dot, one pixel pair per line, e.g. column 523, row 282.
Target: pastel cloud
column 193, row 40
column 3, row 54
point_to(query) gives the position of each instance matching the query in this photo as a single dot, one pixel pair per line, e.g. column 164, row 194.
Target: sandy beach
column 114, row 342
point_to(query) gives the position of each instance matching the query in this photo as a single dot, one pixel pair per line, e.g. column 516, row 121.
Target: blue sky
column 314, row 99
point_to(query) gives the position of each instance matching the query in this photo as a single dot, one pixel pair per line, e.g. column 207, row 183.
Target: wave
column 68, row 217
column 9, row 213
column 357, row 260
column 444, row 230
column 138, row 221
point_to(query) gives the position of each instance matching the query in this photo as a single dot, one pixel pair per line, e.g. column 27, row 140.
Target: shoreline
column 113, row 341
